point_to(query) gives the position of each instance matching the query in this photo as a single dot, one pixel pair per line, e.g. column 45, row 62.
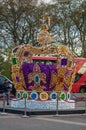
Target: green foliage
column 6, row 69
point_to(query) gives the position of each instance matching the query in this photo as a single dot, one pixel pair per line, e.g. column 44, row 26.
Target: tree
column 78, row 16
column 20, row 24
column 1, row 63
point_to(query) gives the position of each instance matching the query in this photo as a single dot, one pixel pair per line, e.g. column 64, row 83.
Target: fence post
column 85, row 105
column 57, row 106
column 3, row 103
column 25, row 108
column 25, row 96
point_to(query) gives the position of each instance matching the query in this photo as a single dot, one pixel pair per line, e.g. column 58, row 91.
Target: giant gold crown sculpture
column 35, row 78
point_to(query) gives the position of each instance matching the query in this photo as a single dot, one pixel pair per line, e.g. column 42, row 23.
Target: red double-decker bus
column 80, row 76
column 79, row 84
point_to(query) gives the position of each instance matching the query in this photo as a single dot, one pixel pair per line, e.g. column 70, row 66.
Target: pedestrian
column 6, row 90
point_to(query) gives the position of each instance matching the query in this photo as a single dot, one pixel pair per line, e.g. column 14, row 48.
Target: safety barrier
column 76, row 100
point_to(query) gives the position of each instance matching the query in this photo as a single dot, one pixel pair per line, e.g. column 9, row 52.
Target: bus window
column 50, row 62
column 77, row 77
column 38, row 61
column 44, row 61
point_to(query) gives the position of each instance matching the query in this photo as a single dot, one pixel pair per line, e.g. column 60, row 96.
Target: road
column 44, row 122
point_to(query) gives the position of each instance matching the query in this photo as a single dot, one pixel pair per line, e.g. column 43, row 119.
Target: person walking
column 6, row 90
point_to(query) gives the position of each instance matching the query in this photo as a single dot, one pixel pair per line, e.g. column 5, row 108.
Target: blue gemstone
column 36, row 78
column 54, row 96
column 33, row 95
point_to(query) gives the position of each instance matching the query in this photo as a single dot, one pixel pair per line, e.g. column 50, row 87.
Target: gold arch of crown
column 59, row 51
column 44, row 38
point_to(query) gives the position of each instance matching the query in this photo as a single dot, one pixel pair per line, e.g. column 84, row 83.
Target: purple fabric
column 64, row 61
column 17, row 79
column 65, row 87
column 46, row 69
column 67, row 72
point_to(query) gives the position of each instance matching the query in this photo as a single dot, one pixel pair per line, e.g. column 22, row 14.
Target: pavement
column 80, row 108
column 43, row 122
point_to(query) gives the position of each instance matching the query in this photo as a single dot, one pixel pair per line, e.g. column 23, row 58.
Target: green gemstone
column 14, row 61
